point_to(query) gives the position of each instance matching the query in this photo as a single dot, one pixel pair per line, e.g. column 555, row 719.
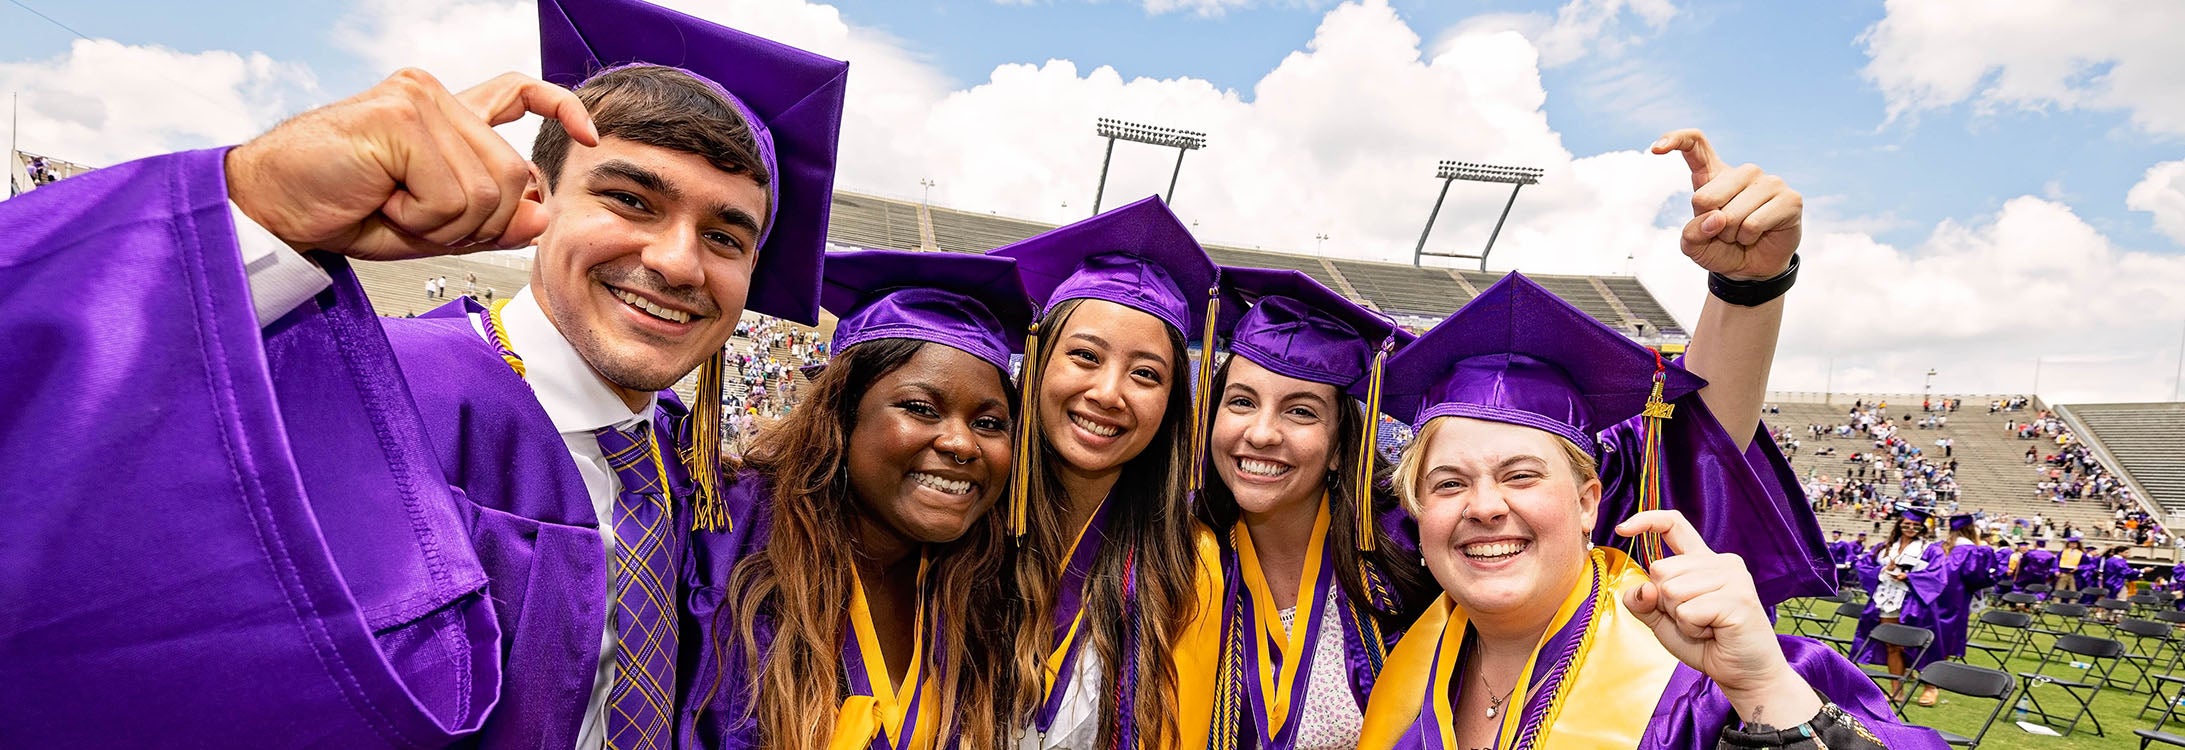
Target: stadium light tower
column 1114, row 130
column 1451, row 171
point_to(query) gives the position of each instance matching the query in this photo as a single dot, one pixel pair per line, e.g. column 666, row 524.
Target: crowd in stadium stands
column 1896, row 472
column 41, row 171
column 770, row 383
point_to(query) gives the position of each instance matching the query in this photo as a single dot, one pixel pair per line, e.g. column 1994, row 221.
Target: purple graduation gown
column 2037, row 566
column 1727, row 494
column 2089, row 577
column 336, row 530
column 219, row 535
column 1692, row 712
column 2116, row 571
column 718, row 682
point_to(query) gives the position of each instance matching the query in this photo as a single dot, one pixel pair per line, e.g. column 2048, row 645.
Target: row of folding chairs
column 2072, row 670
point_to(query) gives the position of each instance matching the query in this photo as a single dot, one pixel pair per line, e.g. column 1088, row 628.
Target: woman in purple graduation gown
column 1116, row 645
column 1309, row 606
column 1894, row 562
column 1541, row 639
column 860, row 600
column 1956, row 569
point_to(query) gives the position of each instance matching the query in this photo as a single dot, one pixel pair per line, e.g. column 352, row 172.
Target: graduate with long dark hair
column 1116, row 645
column 861, row 598
column 1320, row 570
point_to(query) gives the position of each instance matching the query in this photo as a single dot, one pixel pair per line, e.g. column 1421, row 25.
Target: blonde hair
column 1412, row 464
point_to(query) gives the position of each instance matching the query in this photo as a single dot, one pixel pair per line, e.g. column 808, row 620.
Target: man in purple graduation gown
column 262, row 516
column 2037, row 566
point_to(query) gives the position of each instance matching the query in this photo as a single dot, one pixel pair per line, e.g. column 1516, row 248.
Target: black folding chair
column 2145, row 602
column 2019, row 599
column 1913, row 639
column 2005, row 627
column 2059, row 619
column 1804, row 622
column 1845, row 611
column 1966, row 680
column 2152, row 647
column 2171, row 616
column 2175, row 696
column 2107, row 613
column 2101, row 655
column 2038, row 588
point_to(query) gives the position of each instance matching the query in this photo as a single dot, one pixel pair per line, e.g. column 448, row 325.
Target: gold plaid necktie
column 641, row 704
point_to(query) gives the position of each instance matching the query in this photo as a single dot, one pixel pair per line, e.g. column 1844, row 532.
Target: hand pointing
column 1745, row 222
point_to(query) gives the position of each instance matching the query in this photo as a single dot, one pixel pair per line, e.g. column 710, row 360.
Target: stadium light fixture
column 1451, row 171
column 1176, row 138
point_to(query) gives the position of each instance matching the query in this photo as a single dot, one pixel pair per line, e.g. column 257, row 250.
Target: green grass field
column 2116, row 707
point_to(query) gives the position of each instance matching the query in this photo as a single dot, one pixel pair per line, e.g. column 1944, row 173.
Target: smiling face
column 1273, row 437
column 1104, row 390
column 931, row 449
column 1504, row 515
column 646, row 264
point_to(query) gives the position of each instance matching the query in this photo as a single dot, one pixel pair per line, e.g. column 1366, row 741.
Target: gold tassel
column 1020, row 474
column 703, row 456
column 1200, row 399
column 1364, row 499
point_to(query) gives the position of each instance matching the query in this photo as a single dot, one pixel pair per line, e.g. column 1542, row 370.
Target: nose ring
column 959, row 461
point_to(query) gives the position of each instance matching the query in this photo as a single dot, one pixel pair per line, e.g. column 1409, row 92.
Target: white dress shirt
column 574, row 396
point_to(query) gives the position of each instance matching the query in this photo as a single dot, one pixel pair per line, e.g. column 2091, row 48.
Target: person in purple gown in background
column 465, row 528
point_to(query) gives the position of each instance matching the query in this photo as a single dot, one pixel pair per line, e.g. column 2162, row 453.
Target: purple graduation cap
column 1518, row 354
column 974, row 303
column 1915, row 514
column 1521, row 355
column 1961, row 521
column 1295, row 327
column 1139, row 256
column 792, row 99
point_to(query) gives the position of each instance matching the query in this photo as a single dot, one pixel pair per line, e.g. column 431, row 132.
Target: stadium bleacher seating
column 2143, row 440
column 1992, row 473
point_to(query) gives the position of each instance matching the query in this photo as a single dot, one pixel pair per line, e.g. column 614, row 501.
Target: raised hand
column 1745, row 222
column 404, row 170
column 1703, row 608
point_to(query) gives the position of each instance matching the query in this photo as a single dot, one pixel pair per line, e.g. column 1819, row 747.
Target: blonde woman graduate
column 1115, row 647
column 860, row 599
column 1316, row 586
column 1543, row 640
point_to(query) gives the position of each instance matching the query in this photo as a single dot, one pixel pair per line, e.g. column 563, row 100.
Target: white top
column 1330, row 717
column 576, row 400
column 1077, row 725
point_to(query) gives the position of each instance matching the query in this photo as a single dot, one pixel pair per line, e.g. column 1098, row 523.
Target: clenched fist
column 404, row 170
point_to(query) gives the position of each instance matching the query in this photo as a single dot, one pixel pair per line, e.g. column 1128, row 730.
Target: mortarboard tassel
column 1366, row 448
column 703, row 455
column 1657, row 411
column 1201, row 400
column 1020, row 475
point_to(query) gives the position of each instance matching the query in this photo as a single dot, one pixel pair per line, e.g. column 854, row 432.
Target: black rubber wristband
column 1753, row 293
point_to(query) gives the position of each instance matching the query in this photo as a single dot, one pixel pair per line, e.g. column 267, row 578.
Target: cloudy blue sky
column 1988, row 184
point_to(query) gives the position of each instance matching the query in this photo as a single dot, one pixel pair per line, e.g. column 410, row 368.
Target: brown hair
column 660, row 106
column 1412, row 584
column 802, row 578
column 1151, row 521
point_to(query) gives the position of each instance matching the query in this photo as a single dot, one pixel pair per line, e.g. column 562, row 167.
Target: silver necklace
column 1494, row 704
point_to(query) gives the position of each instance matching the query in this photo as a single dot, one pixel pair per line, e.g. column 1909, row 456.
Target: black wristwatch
column 1830, row 727
column 1753, row 293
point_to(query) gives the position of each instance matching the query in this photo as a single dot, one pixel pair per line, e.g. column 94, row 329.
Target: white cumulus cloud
column 104, row 101
column 2112, row 55
column 2162, row 193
